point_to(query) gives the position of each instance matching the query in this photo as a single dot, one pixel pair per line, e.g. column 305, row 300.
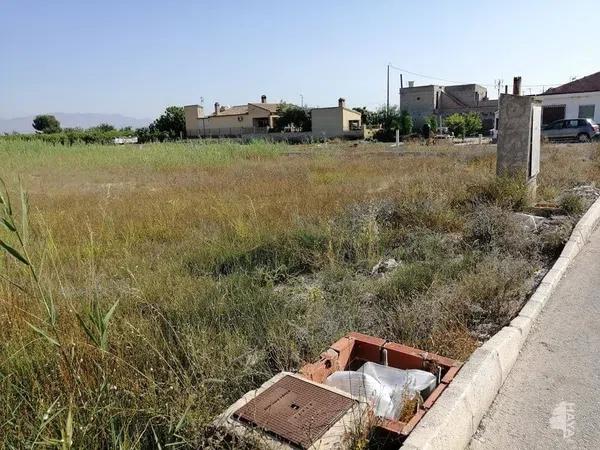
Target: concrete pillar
column 519, row 135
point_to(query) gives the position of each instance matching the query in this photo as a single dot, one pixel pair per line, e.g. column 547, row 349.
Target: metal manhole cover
column 295, row 411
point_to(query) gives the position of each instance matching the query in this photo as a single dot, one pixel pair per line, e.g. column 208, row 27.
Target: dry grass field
column 226, row 263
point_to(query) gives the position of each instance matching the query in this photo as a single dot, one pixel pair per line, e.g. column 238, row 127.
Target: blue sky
column 136, row 57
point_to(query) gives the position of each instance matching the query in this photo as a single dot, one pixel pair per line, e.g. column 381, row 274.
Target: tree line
column 170, row 125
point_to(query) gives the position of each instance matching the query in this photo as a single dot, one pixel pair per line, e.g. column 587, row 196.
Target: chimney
column 342, row 102
column 217, row 108
column 263, row 98
column 517, row 86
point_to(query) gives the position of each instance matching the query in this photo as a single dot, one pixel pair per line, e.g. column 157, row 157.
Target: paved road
column 551, row 398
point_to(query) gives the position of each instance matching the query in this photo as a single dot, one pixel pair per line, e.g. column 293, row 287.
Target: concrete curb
column 455, row 417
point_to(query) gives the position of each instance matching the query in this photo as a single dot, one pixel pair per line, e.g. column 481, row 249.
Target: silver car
column 582, row 130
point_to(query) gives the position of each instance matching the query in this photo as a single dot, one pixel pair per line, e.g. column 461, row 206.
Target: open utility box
column 353, row 350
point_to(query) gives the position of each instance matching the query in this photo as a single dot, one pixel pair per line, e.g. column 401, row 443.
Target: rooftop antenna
column 498, row 83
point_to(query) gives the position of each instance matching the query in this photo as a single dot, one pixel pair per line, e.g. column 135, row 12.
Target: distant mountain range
column 73, row 120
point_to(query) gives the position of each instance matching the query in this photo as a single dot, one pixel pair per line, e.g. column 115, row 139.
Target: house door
column 552, row 113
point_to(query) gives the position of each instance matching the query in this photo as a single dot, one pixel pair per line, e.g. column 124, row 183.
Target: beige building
column 260, row 118
column 231, row 121
column 336, row 121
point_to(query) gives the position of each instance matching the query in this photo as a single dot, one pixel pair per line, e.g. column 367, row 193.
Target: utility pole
column 301, row 101
column 388, row 89
column 400, row 95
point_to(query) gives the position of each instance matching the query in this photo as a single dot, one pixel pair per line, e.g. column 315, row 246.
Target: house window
column 586, row 111
column 354, row 124
column 260, row 122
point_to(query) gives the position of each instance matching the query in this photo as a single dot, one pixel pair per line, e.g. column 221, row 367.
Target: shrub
column 432, row 213
column 464, row 124
column 406, row 123
column 367, row 117
column 72, row 136
column 433, row 123
column 391, row 120
column 171, row 122
column 572, row 204
column 497, row 287
column 293, row 116
column 406, row 281
column 275, row 258
column 506, row 192
column 473, row 124
column 492, row 229
column 46, row 123
column 424, row 245
column 552, row 241
column 456, row 124
column 449, row 311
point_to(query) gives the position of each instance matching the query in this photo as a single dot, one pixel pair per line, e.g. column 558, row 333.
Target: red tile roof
column 591, row 83
column 271, row 107
column 239, row 110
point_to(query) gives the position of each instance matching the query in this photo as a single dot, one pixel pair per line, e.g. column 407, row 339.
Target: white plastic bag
column 384, row 388
column 411, row 380
column 396, row 382
column 390, row 377
column 366, row 388
column 424, row 382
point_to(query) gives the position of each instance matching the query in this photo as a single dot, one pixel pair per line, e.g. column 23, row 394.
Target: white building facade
column 585, row 105
column 579, row 99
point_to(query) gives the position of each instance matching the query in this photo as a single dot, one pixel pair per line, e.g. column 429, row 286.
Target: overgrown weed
column 230, row 263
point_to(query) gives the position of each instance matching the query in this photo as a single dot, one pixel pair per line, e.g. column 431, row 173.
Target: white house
column 577, row 99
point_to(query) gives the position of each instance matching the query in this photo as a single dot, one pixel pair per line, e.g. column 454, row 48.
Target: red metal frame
column 356, row 348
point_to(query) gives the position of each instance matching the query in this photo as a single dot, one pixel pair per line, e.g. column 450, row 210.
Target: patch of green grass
column 25, row 156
